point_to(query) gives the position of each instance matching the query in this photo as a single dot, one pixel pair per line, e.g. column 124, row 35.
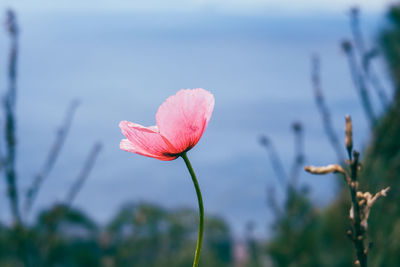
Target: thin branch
column 275, row 161
column 332, row 168
column 361, row 203
column 52, row 157
column 366, row 201
column 356, row 31
column 9, row 104
column 87, row 167
column 324, row 110
column 366, row 57
column 272, row 202
column 299, row 153
column 359, row 82
column 358, row 231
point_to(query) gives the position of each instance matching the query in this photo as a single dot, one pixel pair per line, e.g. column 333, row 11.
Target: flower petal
column 146, row 141
column 130, row 147
column 183, row 117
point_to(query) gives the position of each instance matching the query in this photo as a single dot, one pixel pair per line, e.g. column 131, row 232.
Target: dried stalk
column 9, row 104
column 52, row 157
column 359, row 82
column 361, row 203
column 299, row 153
column 275, row 161
column 272, row 202
column 366, row 57
column 87, row 167
column 324, row 110
column 359, row 232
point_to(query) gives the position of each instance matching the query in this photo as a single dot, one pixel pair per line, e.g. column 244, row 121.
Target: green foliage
column 139, row 235
column 296, row 232
column 150, row 236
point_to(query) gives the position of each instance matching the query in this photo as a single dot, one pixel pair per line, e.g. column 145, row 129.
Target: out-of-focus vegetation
column 304, row 238
column 139, row 235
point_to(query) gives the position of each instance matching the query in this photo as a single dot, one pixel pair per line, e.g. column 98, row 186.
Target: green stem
column 201, row 209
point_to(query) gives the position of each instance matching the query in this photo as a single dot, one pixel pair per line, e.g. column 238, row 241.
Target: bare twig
column 366, row 57
column 356, row 30
column 271, row 201
column 275, row 161
column 348, row 139
column 359, row 233
column 359, row 82
column 52, row 157
column 332, row 168
column 10, row 118
column 324, row 110
column 299, row 153
column 365, row 201
column 87, row 167
column 361, row 203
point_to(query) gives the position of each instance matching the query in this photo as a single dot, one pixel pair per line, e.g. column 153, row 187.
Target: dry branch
column 299, row 153
column 366, row 57
column 9, row 104
column 361, row 203
column 324, row 110
column 52, row 157
column 84, row 174
column 275, row 161
column 359, row 82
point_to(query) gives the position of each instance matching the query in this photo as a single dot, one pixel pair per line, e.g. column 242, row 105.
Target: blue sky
column 219, row 6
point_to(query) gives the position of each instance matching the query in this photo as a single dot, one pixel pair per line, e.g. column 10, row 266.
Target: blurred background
column 283, row 74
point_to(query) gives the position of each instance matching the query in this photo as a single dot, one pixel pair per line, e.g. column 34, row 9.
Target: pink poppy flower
column 180, row 123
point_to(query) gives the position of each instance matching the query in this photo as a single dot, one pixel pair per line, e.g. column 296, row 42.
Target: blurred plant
column 149, row 235
column 9, row 104
column 366, row 56
column 328, row 246
column 21, row 248
column 295, row 238
column 361, row 68
column 382, row 160
column 254, row 252
column 361, row 202
column 52, row 156
column 9, row 160
column 323, row 108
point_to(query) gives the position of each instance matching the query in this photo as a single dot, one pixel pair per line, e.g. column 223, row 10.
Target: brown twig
column 366, row 57
column 348, row 139
column 359, row 233
column 87, row 167
column 324, row 110
column 332, row 168
column 361, row 203
column 10, row 119
column 359, row 82
column 52, row 157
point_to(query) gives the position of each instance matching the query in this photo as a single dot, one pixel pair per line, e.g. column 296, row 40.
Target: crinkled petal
column 130, row 147
column 146, row 141
column 183, row 117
